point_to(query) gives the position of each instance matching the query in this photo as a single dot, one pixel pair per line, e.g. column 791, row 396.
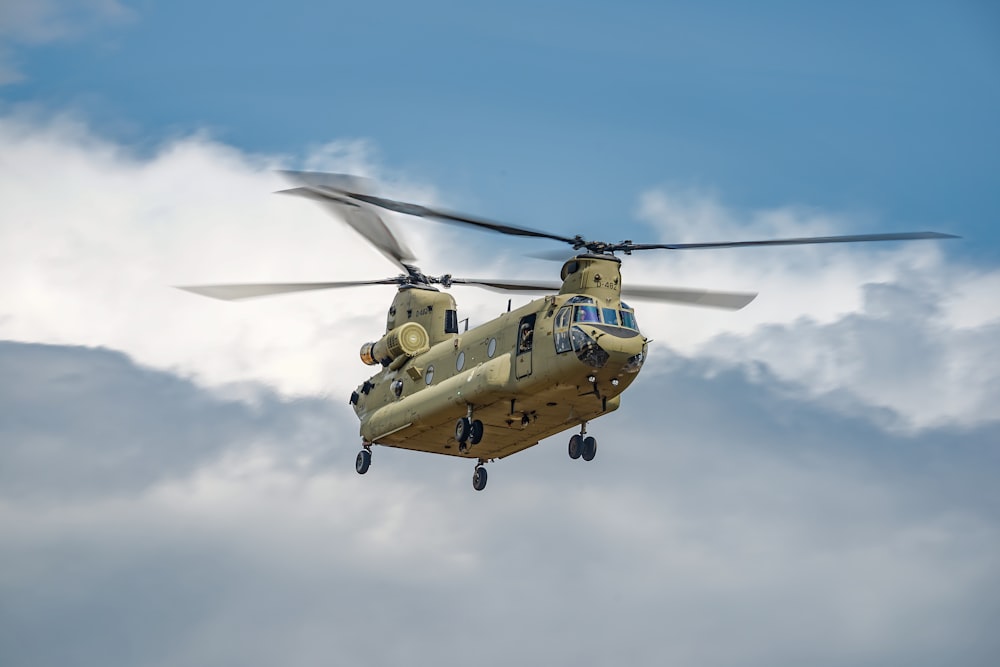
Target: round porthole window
column 491, row 348
column 429, row 375
column 460, row 362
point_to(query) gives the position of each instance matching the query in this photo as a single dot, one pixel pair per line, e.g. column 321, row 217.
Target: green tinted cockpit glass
column 628, row 320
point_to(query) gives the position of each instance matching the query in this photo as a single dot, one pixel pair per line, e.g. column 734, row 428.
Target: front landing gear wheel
column 589, row 448
column 575, row 446
column 363, row 462
column 479, row 478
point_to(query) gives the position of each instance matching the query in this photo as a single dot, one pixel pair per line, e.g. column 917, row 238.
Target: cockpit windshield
column 585, row 310
column 586, row 314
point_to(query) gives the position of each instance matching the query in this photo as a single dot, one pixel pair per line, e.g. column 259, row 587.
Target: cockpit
column 585, row 310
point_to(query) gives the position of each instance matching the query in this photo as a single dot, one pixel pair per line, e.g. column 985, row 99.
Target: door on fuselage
column 525, row 343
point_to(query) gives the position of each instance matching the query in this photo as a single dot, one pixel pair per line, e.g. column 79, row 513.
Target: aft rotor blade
column 807, row 240
column 510, row 285
column 692, row 297
column 249, row 290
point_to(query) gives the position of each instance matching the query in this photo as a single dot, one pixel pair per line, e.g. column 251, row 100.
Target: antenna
column 508, row 304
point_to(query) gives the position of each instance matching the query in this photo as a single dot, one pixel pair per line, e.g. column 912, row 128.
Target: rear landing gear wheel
column 476, row 432
column 463, row 429
column 575, row 446
column 589, row 448
column 479, row 478
column 363, row 462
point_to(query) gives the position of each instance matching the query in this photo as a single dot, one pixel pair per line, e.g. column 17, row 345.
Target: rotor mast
column 596, row 275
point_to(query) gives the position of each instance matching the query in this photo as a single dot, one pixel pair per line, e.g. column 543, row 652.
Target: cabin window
column 491, row 348
column 610, row 316
column 451, row 321
column 526, row 334
column 429, row 375
column 586, row 314
column 561, row 329
column 460, row 362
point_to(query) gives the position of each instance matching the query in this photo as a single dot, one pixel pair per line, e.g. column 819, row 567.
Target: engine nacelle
column 409, row 340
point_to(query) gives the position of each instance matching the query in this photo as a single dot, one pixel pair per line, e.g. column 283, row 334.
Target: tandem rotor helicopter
column 485, row 393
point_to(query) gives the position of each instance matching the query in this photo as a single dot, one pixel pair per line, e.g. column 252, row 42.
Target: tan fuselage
column 526, row 375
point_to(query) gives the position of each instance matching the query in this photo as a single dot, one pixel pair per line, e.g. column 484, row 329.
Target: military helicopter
column 554, row 364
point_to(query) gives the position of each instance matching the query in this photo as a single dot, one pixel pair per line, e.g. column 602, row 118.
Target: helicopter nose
column 626, row 349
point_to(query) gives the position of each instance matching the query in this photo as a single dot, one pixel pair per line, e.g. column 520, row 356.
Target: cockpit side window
column 628, row 319
column 561, row 329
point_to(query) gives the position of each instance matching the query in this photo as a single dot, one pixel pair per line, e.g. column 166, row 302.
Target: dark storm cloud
column 80, row 421
column 727, row 519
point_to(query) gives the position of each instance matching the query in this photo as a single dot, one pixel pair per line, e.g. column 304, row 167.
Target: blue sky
column 808, row 480
column 558, row 116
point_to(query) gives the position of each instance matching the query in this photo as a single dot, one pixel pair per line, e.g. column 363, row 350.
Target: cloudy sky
column 809, row 480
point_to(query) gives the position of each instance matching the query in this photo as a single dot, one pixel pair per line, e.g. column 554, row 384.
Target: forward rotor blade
column 682, row 295
column 807, row 240
column 556, row 255
column 510, row 285
column 362, row 219
column 692, row 297
column 343, row 188
column 250, row 290
column 322, row 179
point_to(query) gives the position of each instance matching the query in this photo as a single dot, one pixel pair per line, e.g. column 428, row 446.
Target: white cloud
column 896, row 326
column 93, row 236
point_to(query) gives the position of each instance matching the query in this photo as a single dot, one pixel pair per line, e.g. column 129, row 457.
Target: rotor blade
column 693, row 297
column 452, row 217
column 555, row 255
column 362, row 219
column 322, row 179
column 249, row 290
column 854, row 238
column 510, row 285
